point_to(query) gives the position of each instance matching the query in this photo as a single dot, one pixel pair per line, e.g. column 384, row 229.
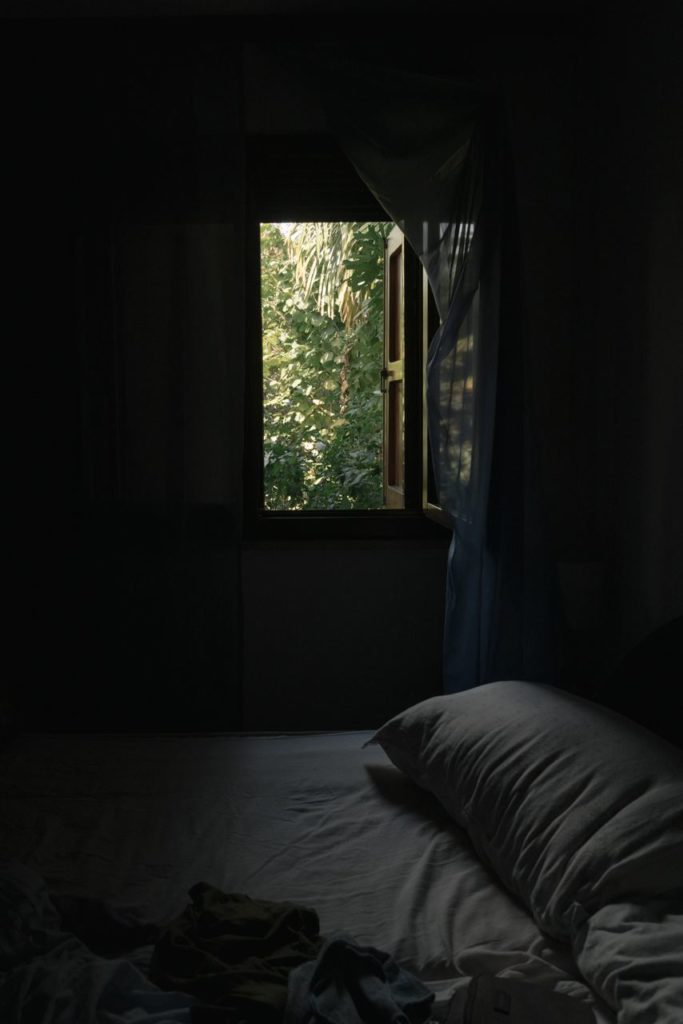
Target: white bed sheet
column 312, row 818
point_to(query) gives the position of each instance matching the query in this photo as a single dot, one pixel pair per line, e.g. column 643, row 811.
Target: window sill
column 354, row 526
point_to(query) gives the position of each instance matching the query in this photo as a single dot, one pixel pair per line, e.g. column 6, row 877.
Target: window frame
column 282, row 187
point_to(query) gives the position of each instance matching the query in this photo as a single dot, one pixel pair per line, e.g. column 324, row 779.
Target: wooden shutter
column 393, row 371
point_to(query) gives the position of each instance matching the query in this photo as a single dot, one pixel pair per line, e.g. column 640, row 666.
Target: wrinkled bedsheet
column 315, row 819
column 47, row 976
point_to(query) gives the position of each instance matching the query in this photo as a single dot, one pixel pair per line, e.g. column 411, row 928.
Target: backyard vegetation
column 322, row 303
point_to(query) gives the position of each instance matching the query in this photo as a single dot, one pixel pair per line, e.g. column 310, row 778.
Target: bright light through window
column 322, row 310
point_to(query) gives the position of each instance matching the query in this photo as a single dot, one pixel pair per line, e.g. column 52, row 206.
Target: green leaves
column 322, row 315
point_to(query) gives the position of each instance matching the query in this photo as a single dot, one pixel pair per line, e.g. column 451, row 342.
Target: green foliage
column 322, row 310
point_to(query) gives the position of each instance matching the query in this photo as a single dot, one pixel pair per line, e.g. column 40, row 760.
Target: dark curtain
column 134, row 139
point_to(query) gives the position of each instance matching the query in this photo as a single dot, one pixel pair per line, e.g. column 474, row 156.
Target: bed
column 513, row 830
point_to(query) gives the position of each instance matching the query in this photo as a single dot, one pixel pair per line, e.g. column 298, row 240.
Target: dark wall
column 124, row 140
column 639, row 312
column 338, row 636
column 547, row 76
column 127, row 181
column 595, row 120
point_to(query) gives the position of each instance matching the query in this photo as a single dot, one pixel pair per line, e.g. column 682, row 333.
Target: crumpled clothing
column 351, row 984
column 48, row 976
column 235, row 953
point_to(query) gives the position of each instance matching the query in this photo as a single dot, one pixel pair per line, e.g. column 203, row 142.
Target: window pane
column 322, row 307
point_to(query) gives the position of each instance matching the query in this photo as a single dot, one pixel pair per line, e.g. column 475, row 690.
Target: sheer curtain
column 434, row 153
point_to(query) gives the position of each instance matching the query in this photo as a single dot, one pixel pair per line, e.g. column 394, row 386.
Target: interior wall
column 339, row 637
column 595, row 126
column 127, row 147
column 546, row 81
column 596, row 138
column 640, row 313
column 549, row 86
column 335, row 636
column 549, row 128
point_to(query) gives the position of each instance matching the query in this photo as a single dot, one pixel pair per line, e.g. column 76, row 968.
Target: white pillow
column 572, row 805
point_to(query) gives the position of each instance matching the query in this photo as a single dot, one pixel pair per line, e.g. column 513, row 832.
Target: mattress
column 319, row 819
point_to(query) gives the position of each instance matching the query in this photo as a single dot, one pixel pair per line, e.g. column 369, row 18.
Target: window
column 322, row 341
column 339, row 320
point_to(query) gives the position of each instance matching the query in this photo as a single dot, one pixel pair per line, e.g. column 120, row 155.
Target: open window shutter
column 393, row 371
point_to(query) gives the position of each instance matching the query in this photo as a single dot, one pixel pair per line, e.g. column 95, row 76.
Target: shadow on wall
column 137, row 628
column 646, row 684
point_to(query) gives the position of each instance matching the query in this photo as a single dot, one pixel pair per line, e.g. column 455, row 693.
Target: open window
column 322, row 345
column 339, row 322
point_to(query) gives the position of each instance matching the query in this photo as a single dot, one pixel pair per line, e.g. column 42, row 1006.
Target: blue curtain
column 434, row 153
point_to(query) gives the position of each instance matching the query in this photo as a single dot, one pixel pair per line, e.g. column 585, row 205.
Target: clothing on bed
column 235, row 952
column 356, row 985
column 227, row 959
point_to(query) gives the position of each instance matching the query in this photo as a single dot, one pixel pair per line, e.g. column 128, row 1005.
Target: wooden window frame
column 345, row 199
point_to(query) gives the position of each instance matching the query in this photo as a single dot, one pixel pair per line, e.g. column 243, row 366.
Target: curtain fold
column 434, row 153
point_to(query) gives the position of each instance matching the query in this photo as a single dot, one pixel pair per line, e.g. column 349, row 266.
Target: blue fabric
column 433, row 152
column 351, row 984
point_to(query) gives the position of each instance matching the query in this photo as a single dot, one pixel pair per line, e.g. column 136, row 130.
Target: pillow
column 571, row 804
